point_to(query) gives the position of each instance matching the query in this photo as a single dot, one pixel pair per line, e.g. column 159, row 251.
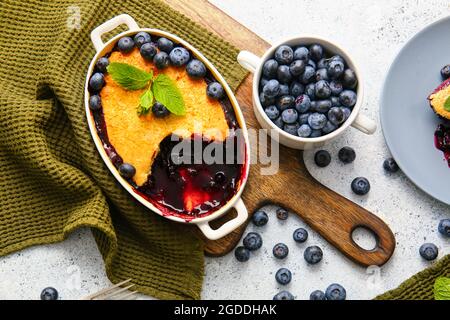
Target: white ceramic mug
column 254, row 64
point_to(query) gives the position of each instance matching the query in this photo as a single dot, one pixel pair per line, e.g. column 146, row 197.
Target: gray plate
column 407, row 120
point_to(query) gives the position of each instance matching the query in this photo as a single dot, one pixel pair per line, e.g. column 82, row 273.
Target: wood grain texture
column 327, row 212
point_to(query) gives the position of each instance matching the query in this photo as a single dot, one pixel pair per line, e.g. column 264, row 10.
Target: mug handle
column 364, row 124
column 111, row 24
column 248, row 60
column 226, row 228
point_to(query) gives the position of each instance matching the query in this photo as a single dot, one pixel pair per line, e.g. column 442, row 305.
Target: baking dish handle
column 227, row 227
column 111, row 24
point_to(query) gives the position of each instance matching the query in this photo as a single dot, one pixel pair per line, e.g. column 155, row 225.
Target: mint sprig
column 447, row 104
column 161, row 88
column 442, row 289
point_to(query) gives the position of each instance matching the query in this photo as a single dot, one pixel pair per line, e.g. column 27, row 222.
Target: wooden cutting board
column 330, row 214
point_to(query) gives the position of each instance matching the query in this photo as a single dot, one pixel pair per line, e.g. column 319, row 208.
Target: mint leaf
column 442, row 288
column 128, row 76
column 447, row 104
column 146, row 102
column 167, row 93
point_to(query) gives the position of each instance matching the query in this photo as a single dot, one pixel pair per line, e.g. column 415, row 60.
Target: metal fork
column 116, row 292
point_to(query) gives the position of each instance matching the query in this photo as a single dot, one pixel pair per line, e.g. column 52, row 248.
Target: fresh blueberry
column 444, row 227
column 49, row 293
column 266, row 101
column 283, row 74
column 313, row 254
column 348, row 98
column 271, row 89
column 285, row 102
column 284, row 54
column 284, row 90
column 95, row 102
column 283, row 276
column 335, row 101
column 280, row 251
column 316, row 133
column 303, row 118
column 159, row 110
column 301, row 53
column 291, row 128
column 336, row 116
column 289, row 116
column 196, row 69
column 279, row 123
column 312, row 64
column 347, row 112
column 336, row 87
column 252, row 241
column 96, row 82
column 270, row 68
column 329, row 127
column 262, row 83
column 141, row 38
column 101, row 64
column 322, row 89
column 360, row 186
column 272, row 112
column 317, row 295
column 322, row 158
column 165, row 45
column 148, row 51
column 283, row 295
column 316, row 52
column 337, row 58
column 308, row 76
column 297, row 67
column 322, row 106
column 302, row 103
column 335, row 292
column 300, row 235
column 347, row 155
column 349, row 79
column 309, row 90
column 321, row 74
column 161, row 60
column 125, row 44
column 335, row 69
column 304, row 131
column 179, row 56
column 390, row 165
column 127, row 170
column 445, row 72
column 322, row 63
column 282, row 213
column 260, row 218
column 428, row 251
column 242, row 254
column 215, row 90
column 317, row 120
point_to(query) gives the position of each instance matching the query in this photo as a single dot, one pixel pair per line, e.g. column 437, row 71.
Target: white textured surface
column 372, row 31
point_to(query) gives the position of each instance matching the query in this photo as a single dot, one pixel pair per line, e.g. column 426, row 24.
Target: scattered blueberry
column 313, row 254
column 291, row 128
column 390, row 165
column 317, row 121
column 127, row 170
column 348, row 98
column 165, row 45
column 316, row 52
column 283, row 295
column 95, row 102
column 215, row 90
column 309, row 75
column 322, row 89
column 252, row 241
column 266, row 101
column 297, row 67
column 260, row 218
column 336, row 87
column 284, row 54
column 317, row 295
column 282, row 213
column 304, row 131
column 142, row 37
column 360, row 186
column 179, row 56
column 321, row 74
column 445, row 72
column 148, row 51
column 322, row 158
column 335, row 292
column 97, row 81
column 336, row 116
column 301, row 53
column 347, row 155
column 349, row 79
column 303, row 118
column 102, row 63
column 329, row 127
column 272, row 112
column 283, row 276
column 285, row 102
column 161, row 60
column 289, row 116
column 125, row 44
column 428, row 251
column 335, row 69
column 159, row 110
column 272, row 88
column 284, row 74
column 196, row 69
column 444, row 227
column 300, row 235
column 280, row 251
column 270, row 68
column 284, row 90
column 49, row 293
column 242, row 254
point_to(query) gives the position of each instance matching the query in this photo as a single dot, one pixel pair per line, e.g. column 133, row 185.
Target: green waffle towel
column 53, row 180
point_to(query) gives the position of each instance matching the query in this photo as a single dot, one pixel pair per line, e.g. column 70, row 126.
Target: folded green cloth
column 53, row 179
